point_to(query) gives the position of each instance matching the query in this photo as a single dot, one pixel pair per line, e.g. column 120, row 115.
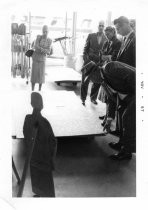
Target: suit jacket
column 112, row 49
column 45, row 144
column 127, row 54
column 118, row 78
column 92, row 48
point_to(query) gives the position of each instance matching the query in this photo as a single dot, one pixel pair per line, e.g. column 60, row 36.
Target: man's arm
column 86, row 49
column 116, row 49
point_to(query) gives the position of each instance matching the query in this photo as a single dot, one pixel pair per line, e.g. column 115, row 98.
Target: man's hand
column 106, row 57
column 107, row 125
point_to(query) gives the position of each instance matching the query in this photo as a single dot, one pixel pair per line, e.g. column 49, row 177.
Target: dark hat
column 121, row 20
column 120, row 77
column 36, row 100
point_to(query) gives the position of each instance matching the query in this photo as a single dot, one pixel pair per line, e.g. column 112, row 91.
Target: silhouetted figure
column 42, row 160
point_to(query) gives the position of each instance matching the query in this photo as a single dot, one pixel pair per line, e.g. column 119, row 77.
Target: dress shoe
column 115, row 146
column 121, row 156
column 115, row 133
column 102, row 117
column 94, row 102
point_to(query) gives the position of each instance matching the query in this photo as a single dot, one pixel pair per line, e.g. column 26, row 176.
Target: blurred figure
column 92, row 51
column 44, row 152
column 42, row 47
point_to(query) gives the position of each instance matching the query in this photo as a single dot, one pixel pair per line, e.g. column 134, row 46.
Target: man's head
column 110, row 32
column 45, row 30
column 36, row 101
column 122, row 25
column 101, row 26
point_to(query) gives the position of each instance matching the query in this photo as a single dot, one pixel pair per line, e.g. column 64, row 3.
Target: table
column 64, row 111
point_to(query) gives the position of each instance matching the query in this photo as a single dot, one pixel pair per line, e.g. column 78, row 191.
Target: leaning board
column 63, row 75
column 64, row 111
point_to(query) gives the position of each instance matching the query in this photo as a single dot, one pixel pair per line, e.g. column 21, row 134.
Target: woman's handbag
column 29, row 53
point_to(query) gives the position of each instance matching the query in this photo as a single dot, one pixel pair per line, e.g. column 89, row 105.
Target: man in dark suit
column 112, row 46
column 92, row 50
column 109, row 53
column 119, row 78
column 126, row 55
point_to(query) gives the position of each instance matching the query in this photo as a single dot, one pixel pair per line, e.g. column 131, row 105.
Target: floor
column 83, row 168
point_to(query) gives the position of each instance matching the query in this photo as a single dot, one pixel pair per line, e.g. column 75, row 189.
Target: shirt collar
column 127, row 36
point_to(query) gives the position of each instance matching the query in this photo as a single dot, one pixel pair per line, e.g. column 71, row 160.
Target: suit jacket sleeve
column 116, row 50
column 86, row 49
column 37, row 44
column 104, row 48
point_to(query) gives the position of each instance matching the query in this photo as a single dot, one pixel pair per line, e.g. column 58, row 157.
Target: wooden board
column 63, row 75
column 63, row 109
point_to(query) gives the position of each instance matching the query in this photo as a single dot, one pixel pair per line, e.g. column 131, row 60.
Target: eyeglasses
column 101, row 25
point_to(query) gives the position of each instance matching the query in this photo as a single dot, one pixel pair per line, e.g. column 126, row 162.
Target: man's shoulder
column 117, row 41
column 92, row 34
column 28, row 116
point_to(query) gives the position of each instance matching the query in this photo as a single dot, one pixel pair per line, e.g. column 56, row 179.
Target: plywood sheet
column 63, row 109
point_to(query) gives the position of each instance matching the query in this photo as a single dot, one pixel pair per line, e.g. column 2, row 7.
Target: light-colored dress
column 39, row 59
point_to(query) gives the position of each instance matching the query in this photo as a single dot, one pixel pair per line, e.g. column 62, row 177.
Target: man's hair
column 110, row 29
column 121, row 20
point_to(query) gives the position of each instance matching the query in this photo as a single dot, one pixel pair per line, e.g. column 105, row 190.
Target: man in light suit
column 92, row 50
column 127, row 55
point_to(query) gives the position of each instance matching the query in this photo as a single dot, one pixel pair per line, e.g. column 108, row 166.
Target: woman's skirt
column 38, row 72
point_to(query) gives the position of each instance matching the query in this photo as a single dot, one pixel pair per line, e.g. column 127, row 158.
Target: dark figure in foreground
column 43, row 156
column 92, row 51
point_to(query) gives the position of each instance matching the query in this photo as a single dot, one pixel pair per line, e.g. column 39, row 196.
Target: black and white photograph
column 73, row 104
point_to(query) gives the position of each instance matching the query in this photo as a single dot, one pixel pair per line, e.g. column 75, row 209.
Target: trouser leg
column 129, row 127
column 94, row 91
column 40, row 86
column 84, row 87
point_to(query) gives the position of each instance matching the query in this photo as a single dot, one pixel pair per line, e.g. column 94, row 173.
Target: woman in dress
column 42, row 48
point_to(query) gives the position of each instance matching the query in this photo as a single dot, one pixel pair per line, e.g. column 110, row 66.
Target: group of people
column 115, row 60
